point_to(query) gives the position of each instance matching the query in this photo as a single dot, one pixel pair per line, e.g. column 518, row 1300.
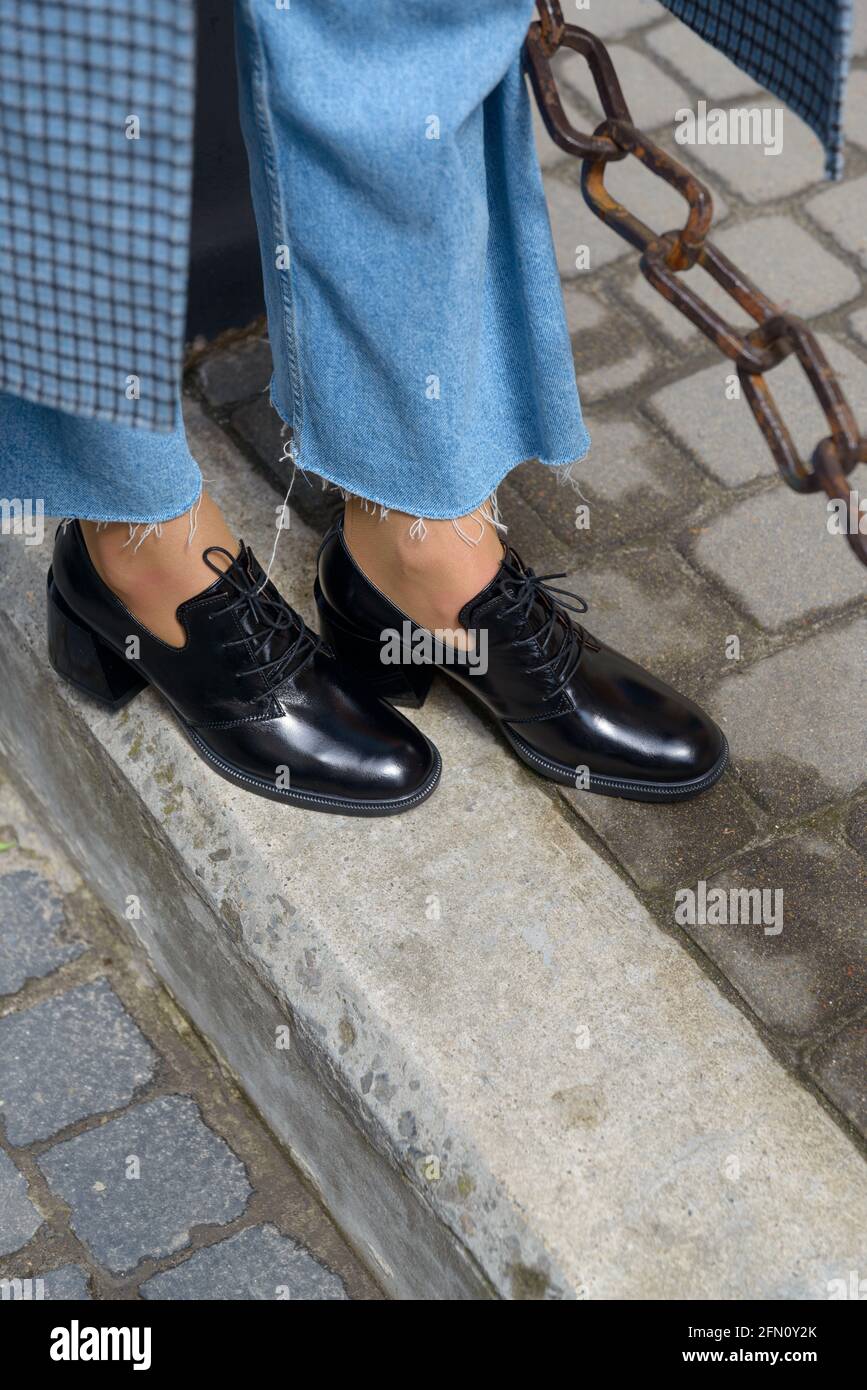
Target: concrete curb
column 502, row 1078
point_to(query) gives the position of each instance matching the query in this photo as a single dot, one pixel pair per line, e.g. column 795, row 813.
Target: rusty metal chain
column 777, row 336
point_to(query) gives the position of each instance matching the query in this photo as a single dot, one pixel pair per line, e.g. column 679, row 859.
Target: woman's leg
column 93, row 468
column 429, row 574
column 148, row 586
column 144, row 516
column 415, row 314
column 154, row 571
column 421, row 352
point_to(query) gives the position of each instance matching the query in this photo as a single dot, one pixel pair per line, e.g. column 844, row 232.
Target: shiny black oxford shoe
column 572, row 709
column 258, row 695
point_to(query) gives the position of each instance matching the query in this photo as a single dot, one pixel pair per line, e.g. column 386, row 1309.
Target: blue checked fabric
column 798, row 49
column 94, row 226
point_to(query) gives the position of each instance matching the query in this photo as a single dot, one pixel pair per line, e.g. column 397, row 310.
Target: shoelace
column 525, row 587
column 270, row 615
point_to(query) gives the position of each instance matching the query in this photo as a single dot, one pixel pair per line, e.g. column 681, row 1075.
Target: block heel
column 405, row 684
column 82, row 658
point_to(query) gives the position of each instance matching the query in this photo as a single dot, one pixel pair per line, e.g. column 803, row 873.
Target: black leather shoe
column 572, row 709
column 258, row 695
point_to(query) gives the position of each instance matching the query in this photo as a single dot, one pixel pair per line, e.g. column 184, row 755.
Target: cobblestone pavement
column 130, row 1165
column 693, row 541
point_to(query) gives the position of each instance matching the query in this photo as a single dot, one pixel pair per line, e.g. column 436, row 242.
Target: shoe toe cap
column 394, row 762
column 376, row 758
column 689, row 745
column 655, row 737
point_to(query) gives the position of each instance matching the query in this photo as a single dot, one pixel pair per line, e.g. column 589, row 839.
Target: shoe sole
column 314, row 801
column 628, row 788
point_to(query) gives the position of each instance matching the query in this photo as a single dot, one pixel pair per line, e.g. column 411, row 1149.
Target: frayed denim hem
column 152, row 523
column 292, row 453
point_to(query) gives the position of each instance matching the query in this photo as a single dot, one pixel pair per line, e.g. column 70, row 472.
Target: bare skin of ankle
column 430, row 578
column 165, row 570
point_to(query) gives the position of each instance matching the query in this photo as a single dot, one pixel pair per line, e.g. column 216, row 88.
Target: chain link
column 664, row 255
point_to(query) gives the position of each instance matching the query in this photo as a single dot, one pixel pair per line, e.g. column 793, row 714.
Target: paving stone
column 855, row 114
column 856, row 827
column 636, row 481
column 723, row 434
column 664, row 846
column 795, row 721
column 804, row 967
column 859, row 30
column 633, row 479
column 187, row 1176
column 676, row 328
column 258, row 1263
column 647, row 604
column 583, row 311
column 67, row 1284
column 755, row 176
column 261, row 427
column 840, row 211
column 237, row 372
column 699, row 63
column 858, row 325
column 616, row 377
column 34, row 935
column 553, row 499
column 19, row 1219
column 785, row 261
column 612, row 18
column 574, row 226
column 777, row 559
column 840, row 1069
column 282, row 1197
column 612, row 356
column 652, row 96
column 71, row 1057
column 528, row 532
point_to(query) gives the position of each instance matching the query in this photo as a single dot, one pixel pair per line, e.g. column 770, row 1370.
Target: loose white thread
column 288, row 456
column 564, row 477
column 491, row 512
column 153, row 528
column 194, row 519
column 469, row 540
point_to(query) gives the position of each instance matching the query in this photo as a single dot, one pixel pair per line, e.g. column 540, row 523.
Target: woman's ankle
column 429, row 569
column 154, row 571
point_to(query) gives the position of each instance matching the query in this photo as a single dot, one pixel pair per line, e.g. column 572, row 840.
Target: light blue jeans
column 414, row 308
